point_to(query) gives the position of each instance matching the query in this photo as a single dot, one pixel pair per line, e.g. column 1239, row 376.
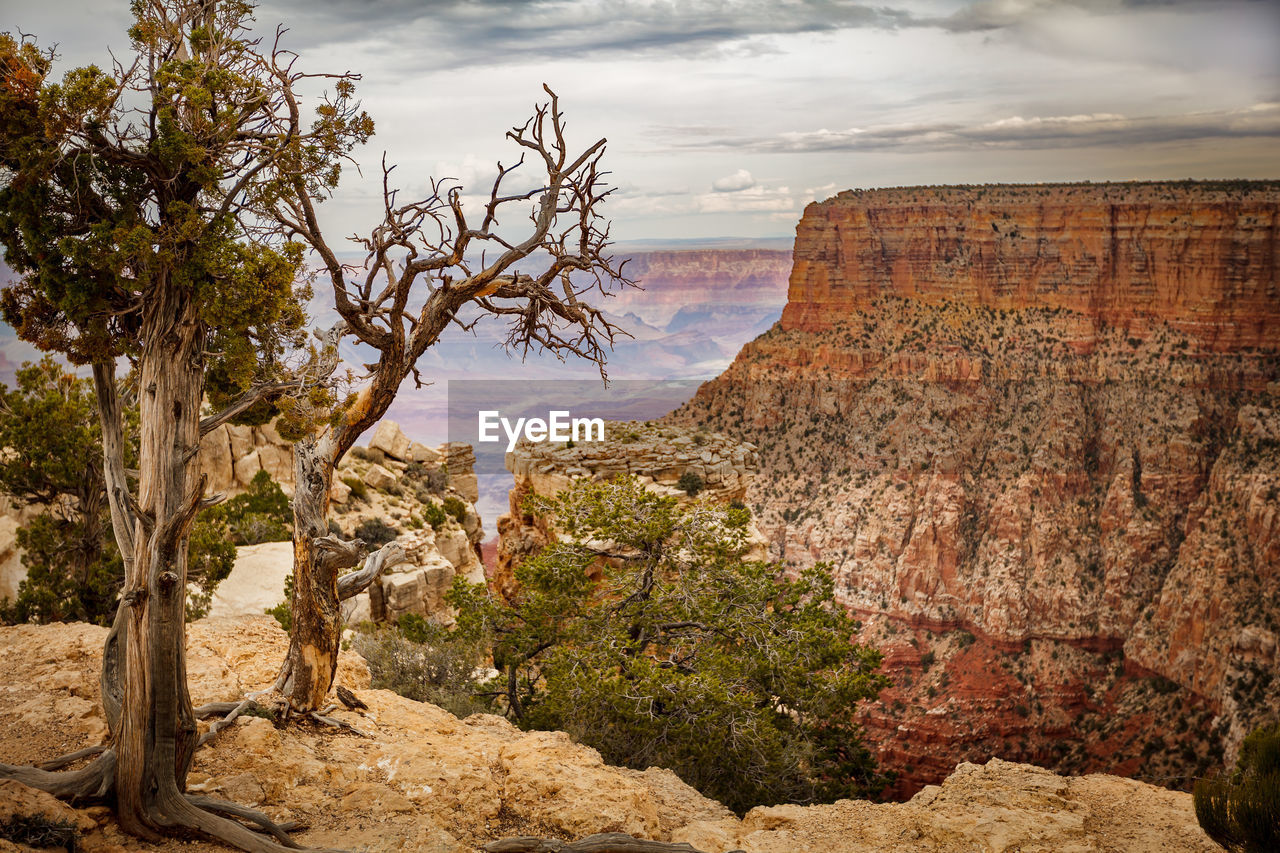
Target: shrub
column 740, row 680
column 39, row 831
column 429, row 481
column 433, row 514
column 421, row 661
column 262, row 513
column 456, row 507
column 359, row 490
column 690, row 483
column 375, row 532
column 1242, row 811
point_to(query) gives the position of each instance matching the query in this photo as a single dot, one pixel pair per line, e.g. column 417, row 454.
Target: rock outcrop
column 398, row 478
column 657, row 455
column 1036, row 432
column 232, row 456
column 425, row 780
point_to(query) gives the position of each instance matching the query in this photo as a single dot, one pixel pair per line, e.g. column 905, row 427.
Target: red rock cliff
column 1035, row 431
column 1201, row 258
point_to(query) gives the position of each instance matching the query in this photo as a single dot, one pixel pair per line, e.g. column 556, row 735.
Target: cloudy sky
column 724, row 117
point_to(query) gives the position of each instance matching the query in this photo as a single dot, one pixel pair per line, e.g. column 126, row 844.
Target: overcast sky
column 725, row 117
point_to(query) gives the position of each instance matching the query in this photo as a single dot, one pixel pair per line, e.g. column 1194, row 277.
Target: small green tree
column 667, row 648
column 261, row 513
column 690, row 483
column 52, row 458
column 1242, row 811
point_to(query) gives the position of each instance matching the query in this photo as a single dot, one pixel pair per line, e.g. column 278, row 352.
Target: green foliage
column 421, row 660
column 210, row 559
column 456, row 507
column 74, row 573
column 359, row 490
column 74, row 570
column 262, row 513
column 690, row 483
column 283, row 612
column 433, row 514
column 1242, row 811
column 375, row 532
column 677, row 652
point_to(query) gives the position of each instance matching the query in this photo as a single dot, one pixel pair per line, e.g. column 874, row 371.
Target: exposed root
column 330, row 721
column 216, row 709
column 605, row 842
column 92, row 782
column 227, row 809
column 205, row 815
column 72, row 757
column 231, row 714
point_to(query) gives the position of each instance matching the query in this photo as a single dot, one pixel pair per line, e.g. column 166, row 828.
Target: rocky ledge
column 425, row 780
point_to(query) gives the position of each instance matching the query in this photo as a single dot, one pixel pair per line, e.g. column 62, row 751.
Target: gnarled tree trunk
column 156, row 735
column 318, row 591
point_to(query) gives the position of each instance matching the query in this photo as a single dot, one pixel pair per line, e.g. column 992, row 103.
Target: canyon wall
column 1036, row 432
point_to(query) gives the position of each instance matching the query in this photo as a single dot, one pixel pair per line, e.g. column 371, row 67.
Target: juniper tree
column 647, row 633
column 428, row 266
column 132, row 205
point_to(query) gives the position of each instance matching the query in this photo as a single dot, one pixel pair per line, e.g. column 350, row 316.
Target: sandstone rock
column 18, row 802
column 357, row 609
column 12, row 572
column 277, row 461
column 241, row 439
column 379, row 477
column 217, row 461
column 426, row 455
column 246, row 468
column 339, row 492
column 388, row 438
column 425, row 780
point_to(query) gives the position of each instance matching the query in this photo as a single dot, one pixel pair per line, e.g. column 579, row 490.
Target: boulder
column 277, row 460
column 388, row 438
column 246, row 467
column 216, row 460
column 339, row 492
column 379, row 477
column 421, row 453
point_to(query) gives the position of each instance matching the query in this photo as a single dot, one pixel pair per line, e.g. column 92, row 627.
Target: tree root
column 71, row 757
column 605, row 842
column 205, row 815
column 330, row 721
column 231, row 712
column 228, row 809
column 93, row 782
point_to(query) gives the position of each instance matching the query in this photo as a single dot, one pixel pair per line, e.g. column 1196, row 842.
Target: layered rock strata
column 1036, row 432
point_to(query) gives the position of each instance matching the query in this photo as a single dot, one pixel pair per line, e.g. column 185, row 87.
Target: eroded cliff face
column 1036, row 432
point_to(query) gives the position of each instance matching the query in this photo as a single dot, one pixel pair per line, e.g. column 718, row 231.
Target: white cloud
column 739, row 180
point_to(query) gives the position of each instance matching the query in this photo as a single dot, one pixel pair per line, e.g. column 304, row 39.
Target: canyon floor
column 423, row 780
